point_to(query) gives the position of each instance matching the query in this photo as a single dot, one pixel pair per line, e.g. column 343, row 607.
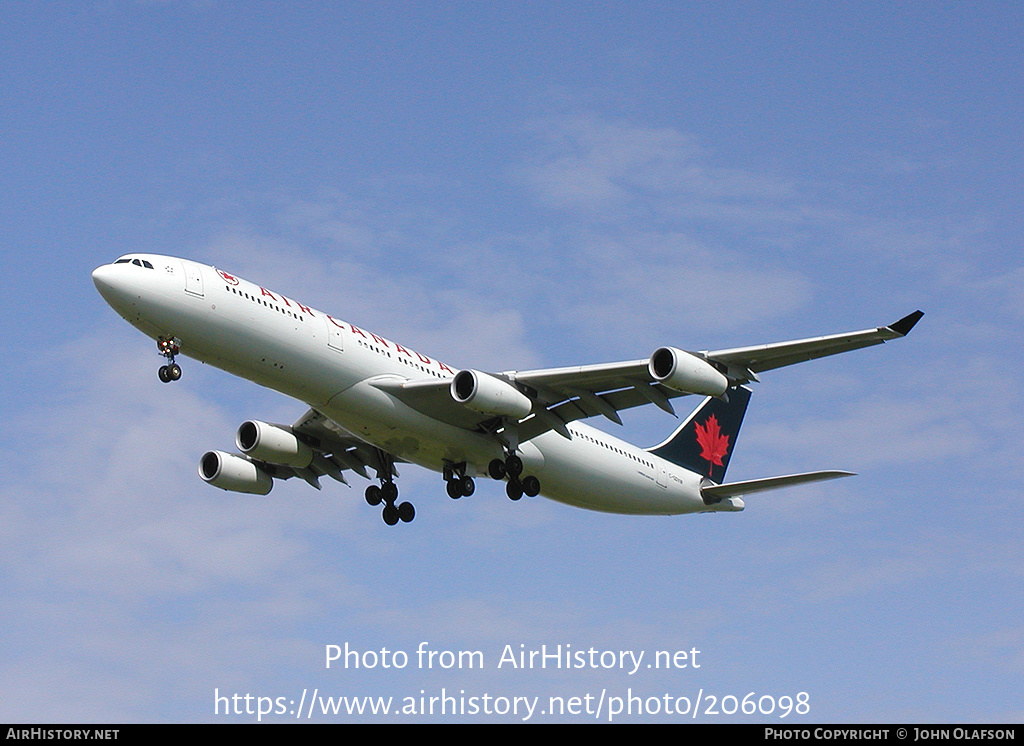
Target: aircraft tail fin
column 705, row 441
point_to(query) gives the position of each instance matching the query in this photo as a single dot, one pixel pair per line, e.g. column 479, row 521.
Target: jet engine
column 273, row 444
column 683, row 371
column 230, row 471
column 489, row 395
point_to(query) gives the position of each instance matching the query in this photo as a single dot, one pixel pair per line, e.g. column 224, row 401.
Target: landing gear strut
column 169, row 348
column 387, row 493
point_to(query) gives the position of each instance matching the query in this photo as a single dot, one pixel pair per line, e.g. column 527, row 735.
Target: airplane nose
column 103, row 279
column 110, row 281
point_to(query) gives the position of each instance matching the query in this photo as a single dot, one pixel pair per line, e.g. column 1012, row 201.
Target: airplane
column 374, row 403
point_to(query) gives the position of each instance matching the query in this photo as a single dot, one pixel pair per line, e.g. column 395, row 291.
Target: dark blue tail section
column 704, row 443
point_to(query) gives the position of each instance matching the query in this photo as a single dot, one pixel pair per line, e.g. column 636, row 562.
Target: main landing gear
column 458, row 484
column 387, row 493
column 518, row 485
column 169, row 348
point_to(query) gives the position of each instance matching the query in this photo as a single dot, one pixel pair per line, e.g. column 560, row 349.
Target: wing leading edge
column 578, row 392
column 563, row 395
column 768, row 357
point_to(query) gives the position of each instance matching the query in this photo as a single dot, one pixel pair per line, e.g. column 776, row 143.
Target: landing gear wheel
column 514, row 490
column 496, row 469
column 467, row 485
column 391, row 514
column 406, row 512
column 373, row 496
column 454, row 488
column 389, row 491
column 513, row 465
column 169, row 348
column 531, row 486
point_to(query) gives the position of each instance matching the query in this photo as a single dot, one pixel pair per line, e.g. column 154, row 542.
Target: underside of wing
column 336, row 445
column 569, row 394
column 556, row 397
column 434, row 399
column 533, row 402
column 312, row 448
column 573, row 401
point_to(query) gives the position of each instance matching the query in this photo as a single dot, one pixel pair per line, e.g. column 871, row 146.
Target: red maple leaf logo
column 713, row 445
column 227, row 278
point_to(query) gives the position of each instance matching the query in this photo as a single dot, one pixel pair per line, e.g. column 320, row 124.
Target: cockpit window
column 136, row 262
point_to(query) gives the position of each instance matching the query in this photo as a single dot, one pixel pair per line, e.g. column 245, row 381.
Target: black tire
column 514, row 490
column 389, row 491
column 373, row 496
column 174, row 371
column 513, row 466
column 164, row 374
column 406, row 512
column 454, row 487
column 496, row 469
column 390, row 515
column 531, row 486
column 467, row 485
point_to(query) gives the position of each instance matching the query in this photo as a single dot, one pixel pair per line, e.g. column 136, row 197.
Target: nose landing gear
column 169, row 347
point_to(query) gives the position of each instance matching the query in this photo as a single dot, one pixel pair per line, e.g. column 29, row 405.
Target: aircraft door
column 193, row 279
column 335, row 332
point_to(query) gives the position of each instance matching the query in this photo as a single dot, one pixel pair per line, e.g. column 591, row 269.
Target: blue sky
column 509, row 186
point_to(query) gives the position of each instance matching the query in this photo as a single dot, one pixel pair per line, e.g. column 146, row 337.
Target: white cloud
column 425, row 298
column 609, row 169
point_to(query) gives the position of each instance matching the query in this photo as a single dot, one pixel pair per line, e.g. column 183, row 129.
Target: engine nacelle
column 489, row 395
column 272, row 444
column 685, row 372
column 229, row 471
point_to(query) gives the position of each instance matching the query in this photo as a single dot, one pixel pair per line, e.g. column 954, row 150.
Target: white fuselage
column 331, row 365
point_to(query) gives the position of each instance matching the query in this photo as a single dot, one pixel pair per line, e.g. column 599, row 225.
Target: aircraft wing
column 559, row 396
column 563, row 395
column 336, row 450
column 432, row 398
column 573, row 393
column 766, row 357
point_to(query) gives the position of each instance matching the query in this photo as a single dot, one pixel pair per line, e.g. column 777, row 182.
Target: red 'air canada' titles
column 356, row 330
column 232, row 280
column 384, row 343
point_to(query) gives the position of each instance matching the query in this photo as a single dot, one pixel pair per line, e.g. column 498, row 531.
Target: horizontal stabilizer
column 712, row 493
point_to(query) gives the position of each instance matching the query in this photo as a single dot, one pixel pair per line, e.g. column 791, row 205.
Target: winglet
column 904, row 325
